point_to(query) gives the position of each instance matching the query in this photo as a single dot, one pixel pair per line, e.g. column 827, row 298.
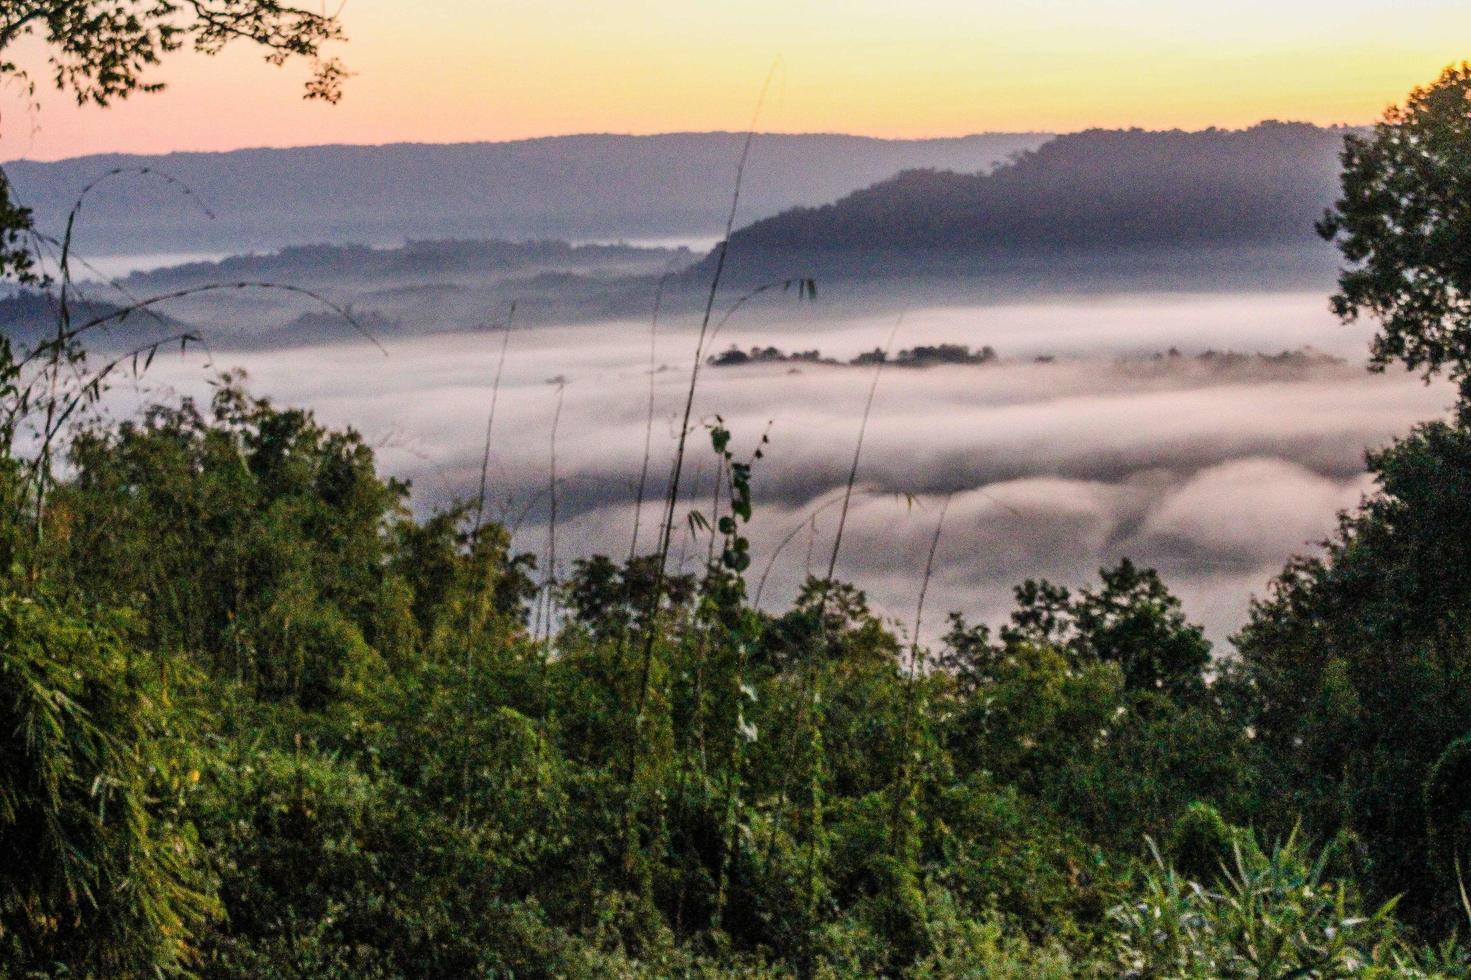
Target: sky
column 460, row 70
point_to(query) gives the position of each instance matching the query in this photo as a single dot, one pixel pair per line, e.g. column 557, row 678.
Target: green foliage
column 1054, row 708
column 962, row 946
column 1402, row 223
column 612, row 600
column 101, row 872
column 1132, row 621
column 1201, row 840
column 1274, row 914
column 16, row 259
column 1448, row 811
column 100, row 50
column 1355, row 671
column 251, row 537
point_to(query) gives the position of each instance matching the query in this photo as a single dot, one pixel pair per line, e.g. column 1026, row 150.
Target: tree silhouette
column 103, row 50
column 1403, row 223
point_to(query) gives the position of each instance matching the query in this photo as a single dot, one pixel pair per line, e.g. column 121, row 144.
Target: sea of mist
column 1214, row 471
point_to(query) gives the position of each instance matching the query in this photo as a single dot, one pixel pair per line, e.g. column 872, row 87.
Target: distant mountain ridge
column 588, row 187
column 1098, row 190
column 441, row 258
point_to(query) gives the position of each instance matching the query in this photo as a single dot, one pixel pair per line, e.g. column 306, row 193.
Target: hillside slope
column 1095, row 191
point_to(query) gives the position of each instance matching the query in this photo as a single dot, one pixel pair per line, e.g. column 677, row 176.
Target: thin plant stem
column 672, row 497
column 924, row 586
column 476, row 595
column 702, row 340
column 551, row 572
column 873, row 388
column 643, row 473
column 812, row 680
column 145, row 304
column 714, row 514
column 903, row 789
column 495, row 390
column 790, row 535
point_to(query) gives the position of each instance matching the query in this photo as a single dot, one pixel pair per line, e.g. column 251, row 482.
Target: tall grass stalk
column 478, row 586
column 65, row 348
column 873, row 387
column 812, row 681
column 216, row 287
column 643, row 473
column 904, row 784
column 714, row 514
column 807, row 519
column 924, row 585
column 550, row 578
column 495, row 391
column 671, row 503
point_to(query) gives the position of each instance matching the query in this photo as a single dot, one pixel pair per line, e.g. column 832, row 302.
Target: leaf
column 747, row 730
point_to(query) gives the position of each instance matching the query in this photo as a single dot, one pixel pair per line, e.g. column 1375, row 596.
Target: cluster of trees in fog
column 923, row 355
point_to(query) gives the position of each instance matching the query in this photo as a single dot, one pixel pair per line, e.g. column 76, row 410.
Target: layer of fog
column 102, row 268
column 1215, row 473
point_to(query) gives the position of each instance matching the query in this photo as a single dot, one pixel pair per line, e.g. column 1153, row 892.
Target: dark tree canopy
column 1359, row 671
column 1133, row 621
column 1404, row 226
column 103, row 50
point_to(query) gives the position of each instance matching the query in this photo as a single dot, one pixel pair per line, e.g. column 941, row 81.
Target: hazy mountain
column 1094, row 212
column 297, row 295
column 594, row 187
column 1102, row 191
column 411, row 265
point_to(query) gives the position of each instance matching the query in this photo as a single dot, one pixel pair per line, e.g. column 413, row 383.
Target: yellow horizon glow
column 461, row 70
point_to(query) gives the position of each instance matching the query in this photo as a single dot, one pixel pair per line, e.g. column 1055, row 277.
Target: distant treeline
column 440, row 257
column 1226, row 361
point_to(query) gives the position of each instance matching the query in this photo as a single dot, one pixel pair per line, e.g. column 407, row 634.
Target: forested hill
column 597, row 187
column 1095, row 190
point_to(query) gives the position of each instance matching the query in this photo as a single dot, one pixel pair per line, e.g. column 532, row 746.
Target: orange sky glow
column 458, row 70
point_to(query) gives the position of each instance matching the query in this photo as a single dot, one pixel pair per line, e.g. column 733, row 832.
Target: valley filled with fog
column 1214, row 469
column 1167, row 384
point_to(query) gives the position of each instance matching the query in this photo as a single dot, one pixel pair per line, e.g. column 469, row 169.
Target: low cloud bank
column 1212, row 470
